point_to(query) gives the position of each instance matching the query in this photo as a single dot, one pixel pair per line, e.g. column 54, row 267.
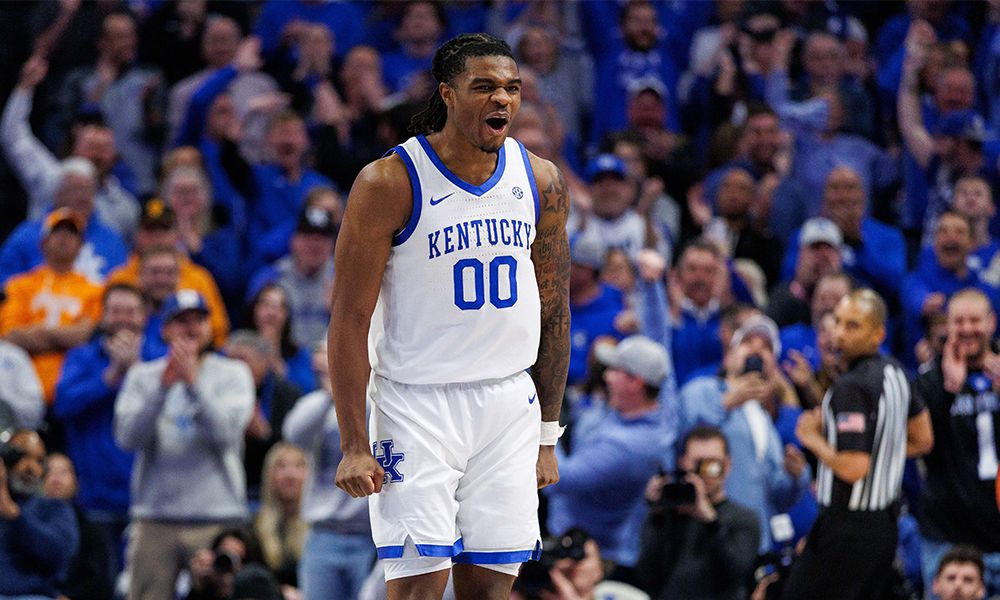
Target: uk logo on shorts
column 388, row 460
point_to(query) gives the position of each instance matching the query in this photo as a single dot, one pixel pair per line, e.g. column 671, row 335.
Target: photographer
column 569, row 569
column 38, row 535
column 697, row 543
column 214, row 571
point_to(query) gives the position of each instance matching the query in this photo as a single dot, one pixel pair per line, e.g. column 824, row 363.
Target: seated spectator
column 40, row 172
column 274, row 398
column 873, row 253
column 954, row 150
column 215, row 570
column 184, row 416
column 705, row 549
column 926, row 292
column 91, row 378
column 279, row 523
column 306, row 275
column 960, row 575
column 799, row 341
column 820, row 244
column 102, row 248
column 38, row 535
column 593, row 305
column 271, row 317
column 959, row 495
column 419, row 36
column 52, row 308
column 734, row 203
column 91, row 572
column 612, row 220
column 338, row 548
column 696, row 310
column 21, row 403
column 130, row 98
column 219, row 43
column 280, row 24
column 158, row 229
column 768, row 478
column 186, row 192
column 615, row 448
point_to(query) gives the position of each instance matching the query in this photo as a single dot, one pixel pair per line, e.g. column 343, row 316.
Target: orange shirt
column 43, row 297
column 192, row 277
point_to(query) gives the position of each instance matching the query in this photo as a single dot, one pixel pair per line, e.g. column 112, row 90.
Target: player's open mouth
column 497, row 124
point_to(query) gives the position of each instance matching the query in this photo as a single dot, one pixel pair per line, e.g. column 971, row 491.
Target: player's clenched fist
column 547, row 467
column 359, row 475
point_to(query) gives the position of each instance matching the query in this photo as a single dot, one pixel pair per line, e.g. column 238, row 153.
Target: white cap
column 820, row 230
column 637, row 355
column 758, row 325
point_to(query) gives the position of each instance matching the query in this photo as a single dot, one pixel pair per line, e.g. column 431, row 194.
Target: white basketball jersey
column 459, row 300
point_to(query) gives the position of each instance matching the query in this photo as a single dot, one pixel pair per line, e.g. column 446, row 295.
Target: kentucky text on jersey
column 476, row 233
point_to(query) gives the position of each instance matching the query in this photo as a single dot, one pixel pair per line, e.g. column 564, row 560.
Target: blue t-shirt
column 588, row 322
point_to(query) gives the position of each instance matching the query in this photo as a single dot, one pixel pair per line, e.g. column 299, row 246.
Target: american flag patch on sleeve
column 852, row 422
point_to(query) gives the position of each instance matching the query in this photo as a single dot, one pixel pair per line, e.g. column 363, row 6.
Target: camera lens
column 224, row 563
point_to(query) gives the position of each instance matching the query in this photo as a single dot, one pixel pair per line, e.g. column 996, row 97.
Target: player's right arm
column 378, row 207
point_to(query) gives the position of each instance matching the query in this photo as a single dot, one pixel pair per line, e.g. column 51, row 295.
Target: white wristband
column 551, row 432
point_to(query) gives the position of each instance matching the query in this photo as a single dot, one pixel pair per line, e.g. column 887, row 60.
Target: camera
column 774, row 562
column 10, row 455
column 753, row 364
column 682, row 493
column 534, row 576
column 225, row 563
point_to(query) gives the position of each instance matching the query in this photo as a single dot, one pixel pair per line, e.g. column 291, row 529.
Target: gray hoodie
column 312, row 426
column 188, row 440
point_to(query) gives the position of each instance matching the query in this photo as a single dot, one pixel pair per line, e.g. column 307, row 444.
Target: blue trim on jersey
column 431, row 550
column 497, row 558
column 476, row 190
column 418, row 201
column 531, row 180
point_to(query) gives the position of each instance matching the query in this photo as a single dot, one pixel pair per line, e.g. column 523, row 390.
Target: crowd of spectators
column 173, row 175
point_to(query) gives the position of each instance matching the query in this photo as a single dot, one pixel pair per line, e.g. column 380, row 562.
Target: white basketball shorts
column 460, row 482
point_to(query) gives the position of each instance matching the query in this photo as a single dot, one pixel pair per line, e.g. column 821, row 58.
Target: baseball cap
column 62, row 216
column 637, row 355
column 963, row 124
column 183, row 301
column 647, row 83
column 758, row 325
column 605, row 163
column 588, row 251
column 156, row 215
column 316, row 220
column 820, row 231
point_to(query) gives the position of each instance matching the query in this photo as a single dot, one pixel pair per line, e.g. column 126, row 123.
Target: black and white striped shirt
column 867, row 410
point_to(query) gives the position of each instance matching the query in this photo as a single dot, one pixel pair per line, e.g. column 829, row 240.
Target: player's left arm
column 550, row 255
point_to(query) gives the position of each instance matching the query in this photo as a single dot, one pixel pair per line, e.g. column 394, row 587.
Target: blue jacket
column 801, row 337
column 603, row 480
column 102, row 251
column 345, row 20
column 36, row 547
column 589, row 321
column 695, row 344
column 277, row 200
column 879, row 262
column 223, row 256
column 760, row 485
column 85, row 405
column 300, row 371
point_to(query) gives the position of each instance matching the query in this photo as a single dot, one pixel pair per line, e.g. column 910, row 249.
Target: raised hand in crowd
column 32, row 73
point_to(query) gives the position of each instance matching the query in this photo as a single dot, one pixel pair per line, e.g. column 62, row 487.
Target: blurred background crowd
column 173, row 175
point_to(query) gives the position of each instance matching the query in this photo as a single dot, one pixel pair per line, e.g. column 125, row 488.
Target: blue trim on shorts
column 427, row 550
column 498, row 558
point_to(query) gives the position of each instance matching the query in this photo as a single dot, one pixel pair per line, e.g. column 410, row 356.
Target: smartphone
column 753, row 364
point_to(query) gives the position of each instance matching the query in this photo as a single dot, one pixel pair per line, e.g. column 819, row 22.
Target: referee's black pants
column 848, row 556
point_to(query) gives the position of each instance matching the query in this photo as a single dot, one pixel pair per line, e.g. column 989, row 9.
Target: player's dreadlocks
column 449, row 62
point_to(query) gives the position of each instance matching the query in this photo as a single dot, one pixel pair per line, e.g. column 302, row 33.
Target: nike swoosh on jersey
column 532, row 399
column 440, row 200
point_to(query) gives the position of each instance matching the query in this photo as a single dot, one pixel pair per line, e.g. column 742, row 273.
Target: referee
column 862, row 436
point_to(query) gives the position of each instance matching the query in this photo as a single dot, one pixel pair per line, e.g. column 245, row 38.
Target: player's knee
column 474, row 582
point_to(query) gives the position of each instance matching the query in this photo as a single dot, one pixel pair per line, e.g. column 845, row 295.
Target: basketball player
column 867, row 427
column 452, row 268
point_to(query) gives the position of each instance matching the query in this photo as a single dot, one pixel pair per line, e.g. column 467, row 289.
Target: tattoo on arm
column 550, row 253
